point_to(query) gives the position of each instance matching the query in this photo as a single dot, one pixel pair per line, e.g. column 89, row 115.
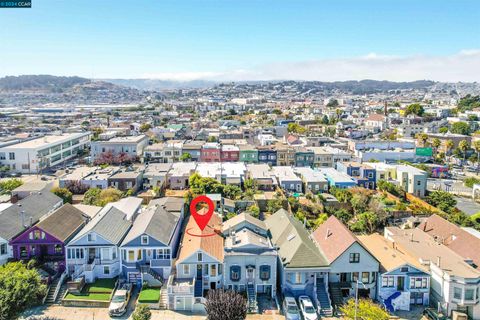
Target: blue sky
column 242, row 39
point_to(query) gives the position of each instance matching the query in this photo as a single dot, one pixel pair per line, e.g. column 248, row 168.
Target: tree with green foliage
column 7, row 186
column 442, row 200
column 231, row 191
column 435, row 144
column 464, row 146
column 145, row 127
column 443, row 130
column 343, row 215
column 333, row 103
column 254, row 211
column 342, row 195
column 185, row 157
column 20, row 288
column 142, row 312
column 225, row 305
column 422, row 138
column 389, row 187
column 366, row 222
column 461, row 127
column 296, row 128
column 363, row 310
column 415, row 109
column 63, row 193
column 99, row 197
column 91, row 195
column 468, row 103
column 274, row 205
column 325, row 119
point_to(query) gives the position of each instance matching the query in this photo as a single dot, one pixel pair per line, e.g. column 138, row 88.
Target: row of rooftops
column 435, row 243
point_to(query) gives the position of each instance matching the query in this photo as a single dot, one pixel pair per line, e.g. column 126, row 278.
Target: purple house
column 45, row 241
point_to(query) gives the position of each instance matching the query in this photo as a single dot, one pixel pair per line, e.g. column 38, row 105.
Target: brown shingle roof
column 64, row 222
column 212, row 245
column 458, row 240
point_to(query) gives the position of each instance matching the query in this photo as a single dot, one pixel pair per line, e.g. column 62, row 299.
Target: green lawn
column 149, row 295
column 100, row 290
column 101, row 286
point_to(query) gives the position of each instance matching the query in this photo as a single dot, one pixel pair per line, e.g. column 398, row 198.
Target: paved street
column 69, row 313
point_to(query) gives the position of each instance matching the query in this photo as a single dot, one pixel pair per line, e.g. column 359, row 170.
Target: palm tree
column 448, row 147
column 435, row 144
column 476, row 146
column 422, row 138
column 463, row 146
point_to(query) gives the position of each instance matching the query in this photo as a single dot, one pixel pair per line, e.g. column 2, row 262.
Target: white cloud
column 461, row 66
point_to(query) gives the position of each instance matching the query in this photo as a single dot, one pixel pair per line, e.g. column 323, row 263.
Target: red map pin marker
column 202, row 219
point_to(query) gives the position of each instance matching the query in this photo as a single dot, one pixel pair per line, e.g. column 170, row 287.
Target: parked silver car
column 118, row 305
column 290, row 308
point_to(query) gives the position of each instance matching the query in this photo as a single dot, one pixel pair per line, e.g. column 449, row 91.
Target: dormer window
column 144, row 240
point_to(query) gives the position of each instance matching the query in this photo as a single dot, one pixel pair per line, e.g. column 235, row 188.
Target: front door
column 250, row 274
column 91, row 255
column 199, row 271
column 148, row 255
column 401, row 283
column 43, row 250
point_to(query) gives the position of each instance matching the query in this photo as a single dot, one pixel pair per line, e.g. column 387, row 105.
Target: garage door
column 183, row 303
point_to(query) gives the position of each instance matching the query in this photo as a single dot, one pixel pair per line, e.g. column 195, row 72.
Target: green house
column 248, row 154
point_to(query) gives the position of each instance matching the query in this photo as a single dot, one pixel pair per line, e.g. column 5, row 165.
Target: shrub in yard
column 142, row 312
column 20, row 288
column 225, row 305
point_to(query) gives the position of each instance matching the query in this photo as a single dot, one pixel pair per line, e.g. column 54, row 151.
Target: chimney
column 411, row 237
column 327, row 234
column 393, row 244
column 22, row 216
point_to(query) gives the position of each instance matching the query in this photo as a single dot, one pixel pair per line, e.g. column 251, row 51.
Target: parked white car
column 291, row 309
column 118, row 305
column 307, row 308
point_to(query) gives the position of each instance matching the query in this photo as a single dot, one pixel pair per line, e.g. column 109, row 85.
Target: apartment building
column 131, row 146
column 33, row 156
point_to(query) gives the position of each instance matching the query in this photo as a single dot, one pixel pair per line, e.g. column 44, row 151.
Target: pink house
column 210, row 152
column 230, row 153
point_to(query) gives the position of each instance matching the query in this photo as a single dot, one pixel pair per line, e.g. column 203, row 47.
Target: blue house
column 337, row 179
column 267, row 155
column 148, row 250
column 403, row 280
column 365, row 175
column 304, row 158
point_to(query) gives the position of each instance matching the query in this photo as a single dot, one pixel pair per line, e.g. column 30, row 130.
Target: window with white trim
column 388, row 281
column 144, row 240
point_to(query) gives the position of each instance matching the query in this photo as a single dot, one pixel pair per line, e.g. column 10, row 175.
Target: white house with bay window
column 94, row 252
column 350, row 262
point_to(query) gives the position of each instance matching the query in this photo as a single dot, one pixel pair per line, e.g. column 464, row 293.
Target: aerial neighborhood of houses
column 317, row 201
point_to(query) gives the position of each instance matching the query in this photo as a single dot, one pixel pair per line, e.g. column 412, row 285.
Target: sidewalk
column 69, row 313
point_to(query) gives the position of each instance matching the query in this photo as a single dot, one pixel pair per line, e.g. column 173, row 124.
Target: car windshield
column 292, row 309
column 118, row 298
column 309, row 309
